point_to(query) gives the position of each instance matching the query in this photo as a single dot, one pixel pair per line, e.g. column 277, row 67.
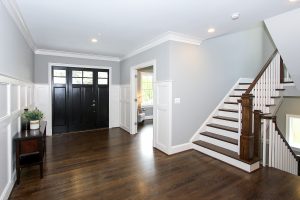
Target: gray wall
column 16, row 58
column 41, row 66
column 203, row 75
column 289, row 106
column 160, row 53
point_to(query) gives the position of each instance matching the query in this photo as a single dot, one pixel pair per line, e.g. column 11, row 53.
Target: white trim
column 75, row 66
column 210, row 117
column 48, row 52
column 133, row 85
column 13, row 9
column 9, row 186
column 168, row 36
column 180, row 148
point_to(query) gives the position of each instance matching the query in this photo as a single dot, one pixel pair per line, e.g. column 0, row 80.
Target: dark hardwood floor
column 111, row 164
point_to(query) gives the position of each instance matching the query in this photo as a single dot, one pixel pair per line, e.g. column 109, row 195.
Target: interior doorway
column 80, row 99
column 143, row 101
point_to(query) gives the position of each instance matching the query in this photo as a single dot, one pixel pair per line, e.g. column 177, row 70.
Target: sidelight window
column 82, row 77
column 102, row 78
column 59, row 76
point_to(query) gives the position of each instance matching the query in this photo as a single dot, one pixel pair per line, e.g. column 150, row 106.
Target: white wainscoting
column 42, row 100
column 114, row 106
column 125, row 107
column 163, row 116
column 15, row 95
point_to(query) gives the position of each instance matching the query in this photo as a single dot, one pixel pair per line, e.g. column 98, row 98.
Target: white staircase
column 219, row 136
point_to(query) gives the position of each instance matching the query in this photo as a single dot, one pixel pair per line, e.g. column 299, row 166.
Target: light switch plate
column 177, row 100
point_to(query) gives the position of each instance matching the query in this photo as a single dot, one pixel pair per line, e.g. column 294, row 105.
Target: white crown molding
column 168, row 36
column 48, row 52
column 13, row 9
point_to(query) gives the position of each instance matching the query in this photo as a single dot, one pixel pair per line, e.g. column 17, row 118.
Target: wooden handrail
column 273, row 118
column 248, row 91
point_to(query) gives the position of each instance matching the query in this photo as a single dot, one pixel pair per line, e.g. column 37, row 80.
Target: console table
column 30, row 148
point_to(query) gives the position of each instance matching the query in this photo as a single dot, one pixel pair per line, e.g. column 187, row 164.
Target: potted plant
column 34, row 117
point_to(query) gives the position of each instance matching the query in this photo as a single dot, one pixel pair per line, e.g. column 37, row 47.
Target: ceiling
column 122, row 26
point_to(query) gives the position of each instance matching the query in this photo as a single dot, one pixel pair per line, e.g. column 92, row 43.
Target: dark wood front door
column 80, row 99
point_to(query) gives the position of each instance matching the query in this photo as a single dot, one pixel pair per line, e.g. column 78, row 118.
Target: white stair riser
column 237, row 92
column 225, row 122
column 233, row 99
column 231, row 106
column 244, row 166
column 230, row 134
column 243, row 86
column 228, row 114
column 219, row 143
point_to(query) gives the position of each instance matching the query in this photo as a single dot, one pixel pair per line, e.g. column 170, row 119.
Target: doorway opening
column 143, row 102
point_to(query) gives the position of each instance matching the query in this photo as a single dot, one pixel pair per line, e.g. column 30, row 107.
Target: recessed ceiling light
column 235, row 16
column 293, row 1
column 94, row 40
column 211, row 30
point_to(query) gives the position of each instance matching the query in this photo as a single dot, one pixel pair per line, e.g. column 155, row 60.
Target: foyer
column 111, row 164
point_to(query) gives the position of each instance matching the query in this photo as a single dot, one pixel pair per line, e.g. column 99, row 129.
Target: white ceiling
column 122, row 26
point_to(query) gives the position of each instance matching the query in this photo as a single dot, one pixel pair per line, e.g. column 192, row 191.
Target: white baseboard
column 125, row 128
column 8, row 188
column 180, row 148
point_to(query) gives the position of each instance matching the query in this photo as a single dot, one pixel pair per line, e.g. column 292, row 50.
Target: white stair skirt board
column 219, row 143
column 231, row 161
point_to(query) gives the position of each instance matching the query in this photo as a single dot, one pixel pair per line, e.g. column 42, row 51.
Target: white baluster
column 270, row 147
column 264, row 146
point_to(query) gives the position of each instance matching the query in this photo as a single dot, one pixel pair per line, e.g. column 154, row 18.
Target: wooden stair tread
column 235, row 95
column 226, row 118
column 268, row 105
column 244, row 83
column 228, row 110
column 280, row 89
column 226, row 128
column 228, row 102
column 223, row 151
column 239, row 89
column 220, row 137
column 288, row 82
column 275, row 97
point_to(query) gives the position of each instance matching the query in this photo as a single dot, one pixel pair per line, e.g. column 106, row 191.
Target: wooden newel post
column 247, row 137
column 257, row 132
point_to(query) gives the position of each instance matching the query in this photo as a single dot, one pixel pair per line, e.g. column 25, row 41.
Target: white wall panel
column 3, row 99
column 4, row 171
column 13, row 99
column 14, row 106
column 163, row 113
column 125, row 107
column 114, row 105
column 42, row 102
column 23, row 97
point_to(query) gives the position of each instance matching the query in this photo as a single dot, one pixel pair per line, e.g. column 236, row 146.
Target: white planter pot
column 35, row 124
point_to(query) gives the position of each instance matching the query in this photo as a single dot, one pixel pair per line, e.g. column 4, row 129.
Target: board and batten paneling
column 163, row 116
column 125, row 107
column 15, row 96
